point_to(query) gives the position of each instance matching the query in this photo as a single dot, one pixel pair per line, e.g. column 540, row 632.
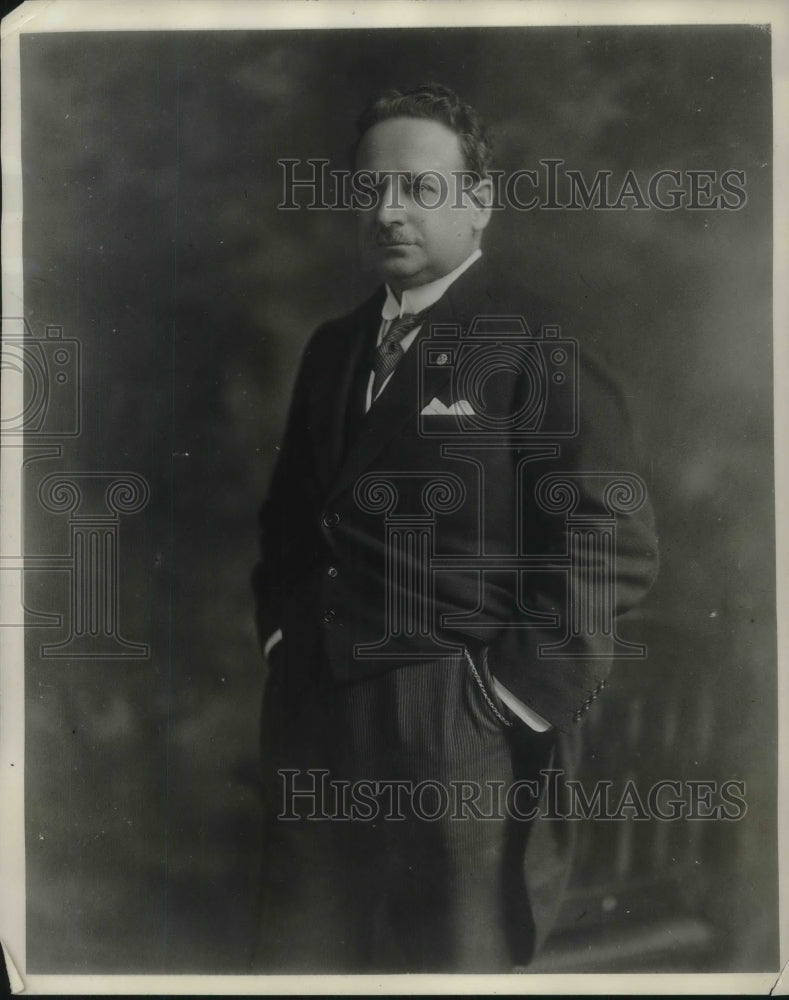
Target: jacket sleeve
column 293, row 451
column 561, row 684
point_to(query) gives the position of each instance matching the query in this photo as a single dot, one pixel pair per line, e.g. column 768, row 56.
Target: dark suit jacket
column 337, row 578
column 330, row 524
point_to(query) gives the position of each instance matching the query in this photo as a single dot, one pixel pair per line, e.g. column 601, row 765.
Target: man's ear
column 482, row 198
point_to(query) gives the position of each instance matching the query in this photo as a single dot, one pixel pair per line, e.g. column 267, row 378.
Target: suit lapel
column 329, row 403
column 400, row 402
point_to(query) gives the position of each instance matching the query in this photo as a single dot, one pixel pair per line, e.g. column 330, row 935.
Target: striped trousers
column 388, row 844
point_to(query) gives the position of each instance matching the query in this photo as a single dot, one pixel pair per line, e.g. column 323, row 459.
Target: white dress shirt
column 413, row 300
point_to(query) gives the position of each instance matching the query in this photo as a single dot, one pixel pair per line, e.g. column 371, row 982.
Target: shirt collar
column 416, row 300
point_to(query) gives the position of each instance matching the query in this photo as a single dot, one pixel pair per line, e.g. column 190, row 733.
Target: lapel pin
column 442, row 359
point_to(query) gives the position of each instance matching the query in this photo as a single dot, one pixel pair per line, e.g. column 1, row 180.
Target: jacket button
column 331, row 520
column 332, row 571
column 329, row 615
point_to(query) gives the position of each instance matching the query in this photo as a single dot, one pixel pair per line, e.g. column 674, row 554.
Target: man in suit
column 451, row 526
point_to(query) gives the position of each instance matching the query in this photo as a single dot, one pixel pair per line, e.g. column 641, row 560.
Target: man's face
column 406, row 241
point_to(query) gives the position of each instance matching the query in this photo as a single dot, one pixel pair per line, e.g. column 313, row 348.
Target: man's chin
column 396, row 271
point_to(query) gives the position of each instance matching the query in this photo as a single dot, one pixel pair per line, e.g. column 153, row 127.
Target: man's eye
column 422, row 186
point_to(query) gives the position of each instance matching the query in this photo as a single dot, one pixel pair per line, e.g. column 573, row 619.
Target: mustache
column 392, row 238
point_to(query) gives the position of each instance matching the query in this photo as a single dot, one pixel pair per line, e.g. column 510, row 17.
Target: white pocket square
column 436, row 408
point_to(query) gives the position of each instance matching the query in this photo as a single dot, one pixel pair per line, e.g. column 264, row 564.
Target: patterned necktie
column 389, row 351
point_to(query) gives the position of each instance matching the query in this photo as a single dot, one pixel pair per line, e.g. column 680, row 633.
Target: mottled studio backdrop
column 152, row 236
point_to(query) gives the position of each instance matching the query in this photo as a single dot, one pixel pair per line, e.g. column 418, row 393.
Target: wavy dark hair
column 437, row 103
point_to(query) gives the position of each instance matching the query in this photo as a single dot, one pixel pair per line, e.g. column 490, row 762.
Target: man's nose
column 391, row 206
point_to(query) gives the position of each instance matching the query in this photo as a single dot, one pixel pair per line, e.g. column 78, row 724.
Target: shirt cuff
column 523, row 712
column 272, row 641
